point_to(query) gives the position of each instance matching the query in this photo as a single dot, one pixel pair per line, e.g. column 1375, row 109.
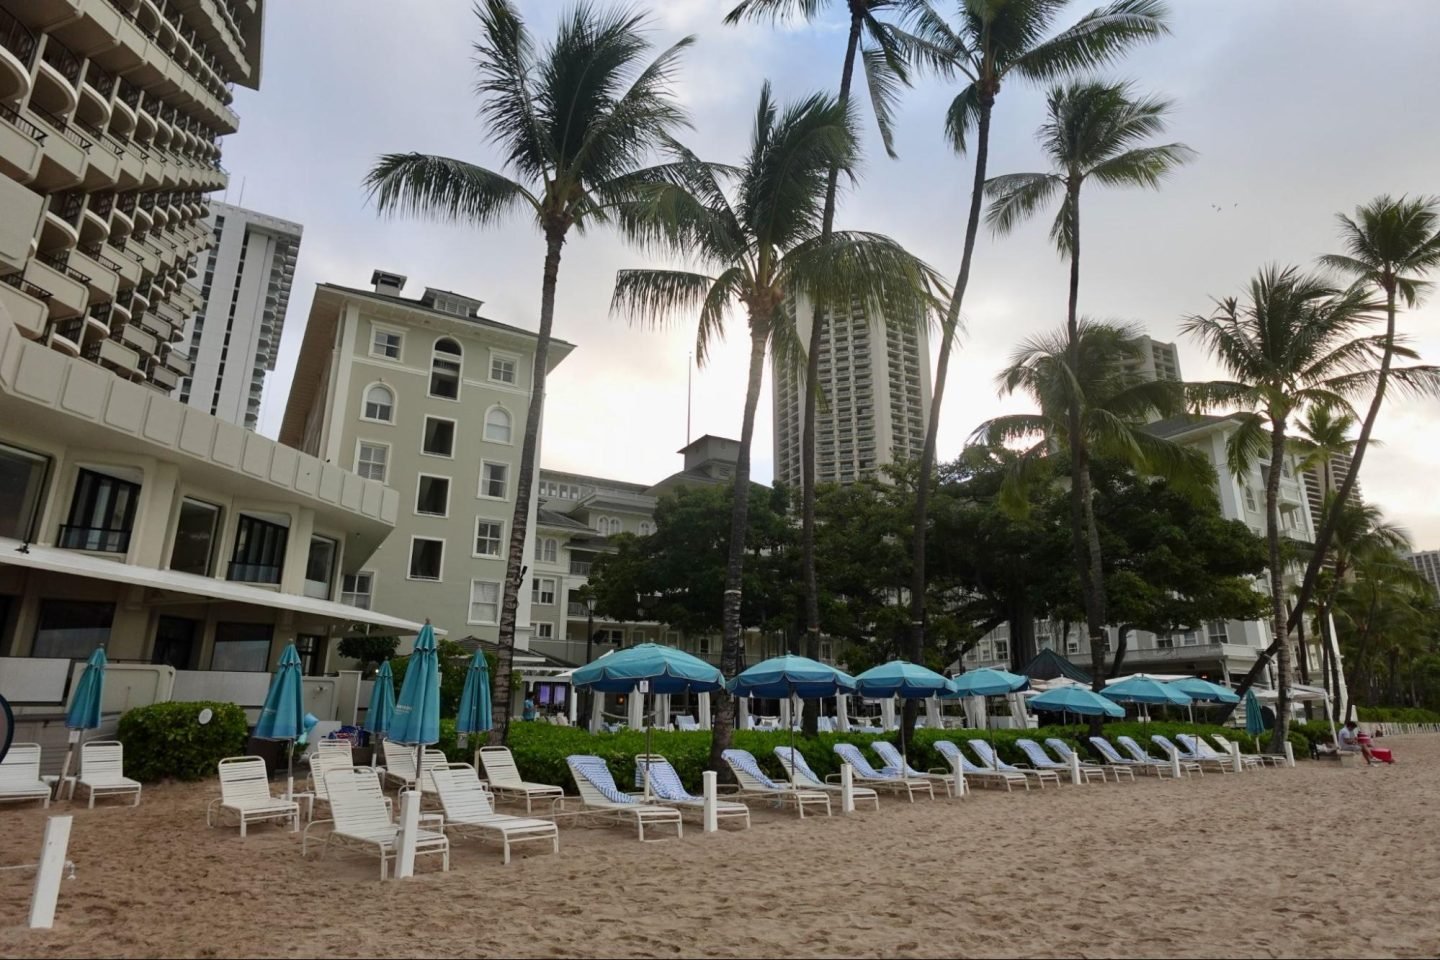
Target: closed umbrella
column 475, row 698
column 417, row 712
column 903, row 679
column 1254, row 721
column 382, row 702
column 84, row 712
column 283, row 715
column 791, row 677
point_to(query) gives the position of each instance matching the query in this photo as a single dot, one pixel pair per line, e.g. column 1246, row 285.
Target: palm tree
column 990, row 41
column 1090, row 374
column 575, row 123
column 763, row 245
column 1094, row 132
column 1324, row 434
column 1295, row 342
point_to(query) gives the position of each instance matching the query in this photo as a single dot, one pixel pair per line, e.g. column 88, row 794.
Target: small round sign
column 205, row 717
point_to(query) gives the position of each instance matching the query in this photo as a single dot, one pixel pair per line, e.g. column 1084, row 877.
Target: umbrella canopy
column 668, row 670
column 475, row 698
column 1145, row 690
column 382, row 701
column 780, row 677
column 985, row 682
column 901, row 678
column 1254, row 720
column 283, row 715
column 1204, row 690
column 84, row 712
column 1079, row 700
column 417, row 712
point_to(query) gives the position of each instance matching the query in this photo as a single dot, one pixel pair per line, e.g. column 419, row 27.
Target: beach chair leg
column 242, row 826
column 505, row 845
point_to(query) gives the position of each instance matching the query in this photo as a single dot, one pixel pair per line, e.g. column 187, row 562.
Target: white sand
column 1312, row 861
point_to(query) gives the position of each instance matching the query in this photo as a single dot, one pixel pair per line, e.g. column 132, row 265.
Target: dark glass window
column 175, row 642
column 445, row 370
column 72, row 628
column 22, row 487
column 426, row 557
column 432, row 496
column 102, row 513
column 439, row 437
column 259, row 551
column 319, row 565
column 195, row 537
column 242, row 646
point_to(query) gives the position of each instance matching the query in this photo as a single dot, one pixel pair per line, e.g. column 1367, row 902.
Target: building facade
column 428, row 398
column 1157, row 361
column 1427, row 564
column 110, row 119
column 234, row 337
column 1322, row 481
column 876, row 381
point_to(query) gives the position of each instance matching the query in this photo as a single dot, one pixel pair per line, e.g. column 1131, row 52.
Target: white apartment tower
column 1157, row 361
column 235, row 335
column 1427, row 564
column 876, row 400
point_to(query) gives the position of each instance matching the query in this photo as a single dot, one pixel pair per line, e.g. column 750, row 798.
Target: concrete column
column 842, row 712
column 635, row 709
column 847, row 788
column 297, row 551
column 704, row 710
column 710, row 787
column 409, row 828
column 742, row 713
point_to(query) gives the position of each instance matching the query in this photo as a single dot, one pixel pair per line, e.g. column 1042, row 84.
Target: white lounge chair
column 468, row 809
column 868, row 775
column 505, row 780
column 399, row 764
column 102, row 771
column 686, row 722
column 601, row 796
column 20, row 775
column 1188, row 755
column 983, row 775
column 320, row 767
column 1141, row 756
column 1041, row 760
column 896, row 765
column 754, row 784
column 362, row 819
column 665, row 785
column 245, row 795
column 1064, row 752
column 803, row 778
column 989, row 759
column 1273, row 759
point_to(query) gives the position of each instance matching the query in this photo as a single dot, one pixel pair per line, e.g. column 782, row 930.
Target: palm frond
column 1097, row 40
column 852, row 266
column 417, row 184
column 962, row 117
column 1247, row 445
column 654, row 297
column 1142, row 167
column 1016, row 197
column 883, row 80
column 773, row 11
column 505, row 62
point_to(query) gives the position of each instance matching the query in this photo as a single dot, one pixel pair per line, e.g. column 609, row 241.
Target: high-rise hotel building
column 875, row 404
column 111, row 113
column 234, row 337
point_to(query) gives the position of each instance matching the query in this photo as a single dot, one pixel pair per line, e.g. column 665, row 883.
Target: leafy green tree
column 1094, row 132
column 576, row 124
column 370, row 651
column 764, row 247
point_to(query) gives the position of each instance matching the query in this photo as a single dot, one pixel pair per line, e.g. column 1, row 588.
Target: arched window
column 646, row 528
column 445, row 369
column 549, row 549
column 379, row 403
column 614, row 526
column 497, row 425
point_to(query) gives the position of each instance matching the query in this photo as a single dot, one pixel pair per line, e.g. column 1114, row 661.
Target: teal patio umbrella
column 475, row 698
column 1254, row 720
column 417, row 712
column 1203, row 691
column 1081, row 700
column 283, row 715
column 986, row 682
column 1145, row 691
column 84, row 712
column 903, row 679
column 382, row 702
column 791, row 677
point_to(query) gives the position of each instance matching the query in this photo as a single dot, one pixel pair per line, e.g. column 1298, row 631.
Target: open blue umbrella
column 1074, row 699
column 903, row 679
column 790, row 676
column 1146, row 690
column 382, row 702
column 283, row 715
column 475, row 698
column 84, row 712
column 985, row 682
column 1203, row 690
column 417, row 712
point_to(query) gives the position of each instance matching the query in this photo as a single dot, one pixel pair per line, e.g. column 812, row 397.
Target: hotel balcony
column 17, row 55
column 69, row 297
column 26, row 303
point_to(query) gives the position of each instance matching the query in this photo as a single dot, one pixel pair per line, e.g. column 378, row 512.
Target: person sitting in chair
column 1350, row 741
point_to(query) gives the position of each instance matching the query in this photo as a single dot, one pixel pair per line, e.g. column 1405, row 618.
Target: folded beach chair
column 755, row 785
column 1189, row 756
column 505, row 780
column 1063, row 751
column 866, row 774
column 1141, row 756
column 600, row 796
column 470, row 810
column 20, row 775
column 803, row 778
column 1203, row 751
column 102, row 771
column 1043, row 761
column 686, row 722
column 245, row 795
column 985, row 775
column 361, row 819
column 665, row 785
column 895, row 765
column 990, row 759
column 824, row 724
column 1113, row 758
column 1274, row 759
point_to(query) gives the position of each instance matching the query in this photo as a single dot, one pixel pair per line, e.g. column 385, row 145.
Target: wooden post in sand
column 1175, row 770
column 1289, row 753
column 847, row 788
column 409, row 829
column 1235, row 763
column 47, row 875
column 1075, row 768
column 710, row 787
column 959, row 773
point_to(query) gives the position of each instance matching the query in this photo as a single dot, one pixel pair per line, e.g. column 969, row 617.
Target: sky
column 1298, row 110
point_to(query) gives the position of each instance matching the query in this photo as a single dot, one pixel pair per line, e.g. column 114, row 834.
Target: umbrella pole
column 290, row 771
column 70, row 752
column 646, row 718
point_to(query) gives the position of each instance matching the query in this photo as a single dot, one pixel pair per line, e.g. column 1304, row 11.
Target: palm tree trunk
column 732, row 649
column 1279, row 620
column 524, row 481
column 916, row 647
column 818, row 323
column 1122, row 636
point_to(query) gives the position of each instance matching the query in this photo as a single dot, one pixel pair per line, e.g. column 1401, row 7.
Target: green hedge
column 167, row 739
column 1398, row 715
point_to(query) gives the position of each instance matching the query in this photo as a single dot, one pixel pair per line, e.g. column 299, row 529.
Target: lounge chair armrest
column 832, row 778
column 438, row 819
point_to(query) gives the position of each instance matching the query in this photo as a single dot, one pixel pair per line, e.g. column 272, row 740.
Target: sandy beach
column 1314, row 861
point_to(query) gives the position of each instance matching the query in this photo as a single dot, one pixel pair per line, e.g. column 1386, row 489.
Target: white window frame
column 537, row 592
column 485, row 425
column 514, row 359
column 449, row 487
column 360, row 443
column 548, row 625
column 549, row 550
column 499, row 540
column 482, row 485
column 365, row 402
column 997, row 648
column 454, row 436
column 647, row 527
column 375, row 330
column 456, row 358
column 702, row 645
column 410, row 560
column 470, row 605
column 369, row 595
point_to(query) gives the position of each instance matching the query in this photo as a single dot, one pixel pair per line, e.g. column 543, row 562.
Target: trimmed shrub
column 1398, row 715
column 167, row 739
